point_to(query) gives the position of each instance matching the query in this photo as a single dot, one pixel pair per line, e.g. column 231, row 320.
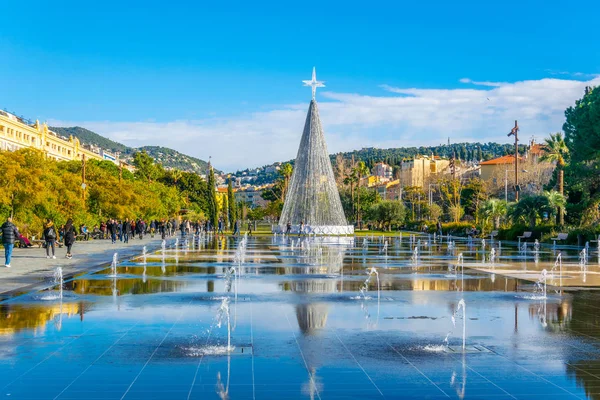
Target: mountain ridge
column 168, row 158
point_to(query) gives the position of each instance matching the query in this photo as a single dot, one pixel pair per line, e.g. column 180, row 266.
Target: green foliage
column 414, row 197
column 434, row 211
column 88, row 137
column 582, row 173
column 465, row 151
column 387, row 213
column 492, row 212
column 173, row 159
column 454, row 228
column 213, row 206
column 530, row 210
column 34, row 188
column 473, row 195
column 540, row 232
column 584, row 234
column 168, row 158
column 257, row 214
column 286, row 174
column 232, row 211
column 451, row 190
column 145, row 168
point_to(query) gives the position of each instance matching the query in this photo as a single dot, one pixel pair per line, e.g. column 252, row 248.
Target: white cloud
column 482, row 83
column 411, row 117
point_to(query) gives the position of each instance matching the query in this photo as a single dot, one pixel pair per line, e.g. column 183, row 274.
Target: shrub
column 456, row 228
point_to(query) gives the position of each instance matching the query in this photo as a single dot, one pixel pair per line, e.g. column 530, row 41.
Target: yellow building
column 16, row 134
column 418, row 170
column 496, row 167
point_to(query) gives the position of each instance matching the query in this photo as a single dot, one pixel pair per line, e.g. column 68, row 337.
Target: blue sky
column 179, row 73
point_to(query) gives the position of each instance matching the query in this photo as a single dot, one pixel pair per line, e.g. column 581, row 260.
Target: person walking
column 220, row 230
column 120, row 230
column 50, row 238
column 438, row 228
column 249, row 228
column 152, row 228
column 70, row 235
column 126, row 230
column 288, row 228
column 236, row 228
column 10, row 233
column 112, row 230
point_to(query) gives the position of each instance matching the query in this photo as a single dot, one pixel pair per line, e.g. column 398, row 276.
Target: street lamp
column 515, row 131
column 506, row 185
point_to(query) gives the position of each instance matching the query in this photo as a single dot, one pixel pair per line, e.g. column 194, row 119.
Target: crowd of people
column 112, row 229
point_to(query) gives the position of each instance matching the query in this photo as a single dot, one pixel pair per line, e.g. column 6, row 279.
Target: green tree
column 582, row 137
column 414, row 196
column 231, row 204
column 434, row 211
column 213, row 212
column 556, row 151
column 493, row 210
column 387, row 213
column 145, row 168
column 556, row 200
column 350, row 180
column 451, row 190
column 473, row 194
column 286, row 173
column 362, row 170
column 530, row 210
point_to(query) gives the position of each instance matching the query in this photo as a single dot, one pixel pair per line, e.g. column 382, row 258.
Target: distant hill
column 169, row 158
column 469, row 152
column 174, row 159
column 88, row 137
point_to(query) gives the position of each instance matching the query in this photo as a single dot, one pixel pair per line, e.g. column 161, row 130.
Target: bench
column 561, row 236
column 525, row 235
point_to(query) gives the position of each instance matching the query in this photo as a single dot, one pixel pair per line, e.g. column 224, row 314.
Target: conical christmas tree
column 312, row 198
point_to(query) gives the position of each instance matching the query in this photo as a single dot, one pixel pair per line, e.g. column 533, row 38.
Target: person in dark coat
column 50, row 237
column 10, row 233
column 126, row 230
column 112, row 230
column 70, row 236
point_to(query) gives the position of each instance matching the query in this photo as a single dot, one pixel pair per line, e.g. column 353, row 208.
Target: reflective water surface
column 297, row 317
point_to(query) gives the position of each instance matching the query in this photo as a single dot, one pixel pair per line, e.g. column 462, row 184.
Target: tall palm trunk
column 352, row 196
column 561, row 189
column 358, row 205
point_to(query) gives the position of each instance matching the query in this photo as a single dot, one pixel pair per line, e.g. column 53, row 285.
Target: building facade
column 418, row 170
column 383, row 170
column 16, row 133
column 496, row 167
column 252, row 196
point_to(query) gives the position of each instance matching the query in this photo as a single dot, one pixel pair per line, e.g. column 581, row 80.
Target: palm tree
column 361, row 171
column 556, row 150
column 494, row 209
column 286, row 172
column 176, row 175
column 530, row 209
column 351, row 179
column 556, row 200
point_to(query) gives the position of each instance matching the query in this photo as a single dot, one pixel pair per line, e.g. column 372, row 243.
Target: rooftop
column 510, row 159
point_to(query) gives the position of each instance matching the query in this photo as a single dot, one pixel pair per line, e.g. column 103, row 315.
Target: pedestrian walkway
column 31, row 268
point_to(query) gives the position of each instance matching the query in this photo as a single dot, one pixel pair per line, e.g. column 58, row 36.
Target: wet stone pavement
column 289, row 318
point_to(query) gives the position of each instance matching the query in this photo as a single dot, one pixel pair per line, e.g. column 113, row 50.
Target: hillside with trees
column 168, row 158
